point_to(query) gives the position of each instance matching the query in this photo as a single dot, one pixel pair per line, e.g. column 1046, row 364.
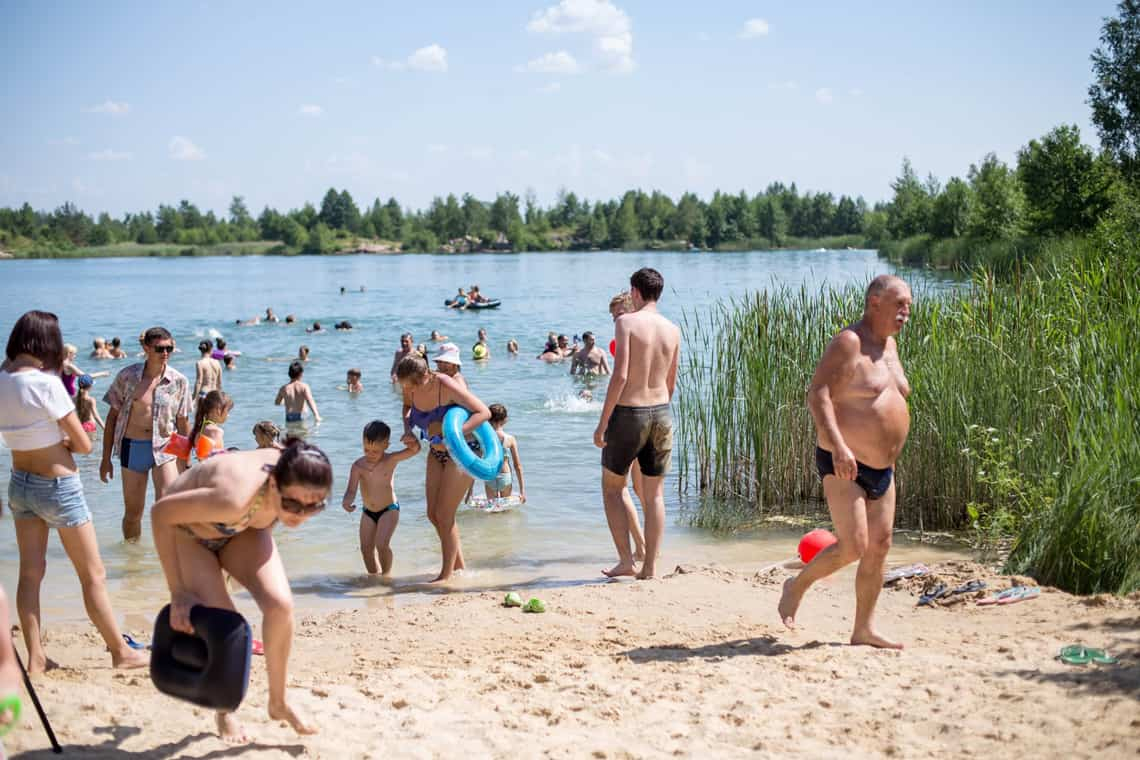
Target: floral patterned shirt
column 171, row 401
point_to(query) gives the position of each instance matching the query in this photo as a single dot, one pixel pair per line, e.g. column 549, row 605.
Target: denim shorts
column 59, row 502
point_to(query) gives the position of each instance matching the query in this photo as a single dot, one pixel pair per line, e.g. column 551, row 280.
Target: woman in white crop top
column 39, row 424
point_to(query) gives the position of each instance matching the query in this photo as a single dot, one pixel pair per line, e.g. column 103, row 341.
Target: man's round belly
column 875, row 429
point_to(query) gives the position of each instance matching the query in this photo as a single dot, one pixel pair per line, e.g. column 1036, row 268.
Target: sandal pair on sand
column 1078, row 654
column 1012, row 595
column 941, row 592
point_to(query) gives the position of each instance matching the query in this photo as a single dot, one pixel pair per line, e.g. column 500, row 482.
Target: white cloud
column 182, row 149
column 608, row 25
column 602, row 156
column 430, row 58
column 310, row 110
column 550, row 89
column 437, row 148
column 521, row 155
column 788, row 85
column 110, row 107
column 753, row 28
column 481, row 153
column 383, row 63
column 823, row 95
column 110, row 155
column 560, row 62
column 855, row 92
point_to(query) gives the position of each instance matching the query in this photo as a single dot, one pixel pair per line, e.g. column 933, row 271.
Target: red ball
column 613, row 347
column 814, row 542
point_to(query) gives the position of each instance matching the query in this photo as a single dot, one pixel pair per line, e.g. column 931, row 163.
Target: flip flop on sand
column 258, row 647
column 910, row 571
column 534, row 605
column 1077, row 654
column 512, row 599
column 1023, row 593
column 935, row 593
column 133, row 644
column 1011, row 595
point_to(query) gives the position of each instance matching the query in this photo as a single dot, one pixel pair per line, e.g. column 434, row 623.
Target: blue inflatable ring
column 485, row 467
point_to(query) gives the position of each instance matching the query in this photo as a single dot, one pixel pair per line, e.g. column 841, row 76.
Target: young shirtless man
column 374, row 473
column 149, row 401
column 295, row 394
column 590, row 360
column 858, row 401
column 636, row 422
column 207, row 371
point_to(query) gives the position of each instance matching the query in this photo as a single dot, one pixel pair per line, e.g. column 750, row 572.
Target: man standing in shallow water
column 636, row 422
column 858, row 400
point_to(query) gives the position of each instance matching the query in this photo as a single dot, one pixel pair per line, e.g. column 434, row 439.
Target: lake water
column 558, row 537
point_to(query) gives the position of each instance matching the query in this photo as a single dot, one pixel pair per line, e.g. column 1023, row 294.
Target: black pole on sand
column 39, row 708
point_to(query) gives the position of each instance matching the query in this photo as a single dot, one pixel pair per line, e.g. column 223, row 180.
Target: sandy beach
column 692, row 665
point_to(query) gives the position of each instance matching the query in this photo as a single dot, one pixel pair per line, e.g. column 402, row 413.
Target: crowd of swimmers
column 215, row 518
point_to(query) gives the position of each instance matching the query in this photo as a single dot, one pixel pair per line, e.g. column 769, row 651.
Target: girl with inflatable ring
column 427, row 397
column 219, row 515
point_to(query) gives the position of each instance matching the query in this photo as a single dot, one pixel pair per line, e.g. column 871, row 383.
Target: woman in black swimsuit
column 427, row 397
column 219, row 515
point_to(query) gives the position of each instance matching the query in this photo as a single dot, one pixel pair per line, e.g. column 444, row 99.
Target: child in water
column 353, row 381
column 207, row 436
column 374, row 473
column 502, row 485
column 267, row 435
column 85, row 407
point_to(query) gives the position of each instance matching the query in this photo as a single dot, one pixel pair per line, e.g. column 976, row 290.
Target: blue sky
column 119, row 106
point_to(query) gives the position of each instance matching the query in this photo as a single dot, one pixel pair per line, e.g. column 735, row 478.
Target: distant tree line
column 772, row 218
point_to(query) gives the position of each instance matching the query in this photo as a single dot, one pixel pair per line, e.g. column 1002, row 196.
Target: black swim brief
column 873, row 480
column 375, row 516
column 644, row 433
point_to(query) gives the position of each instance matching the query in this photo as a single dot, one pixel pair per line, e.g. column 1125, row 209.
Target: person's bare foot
column 40, row 664
column 619, row 570
column 646, row 574
column 441, row 578
column 869, row 638
column 639, row 554
column 132, row 531
column 286, row 713
column 789, row 603
column 230, row 730
column 128, row 659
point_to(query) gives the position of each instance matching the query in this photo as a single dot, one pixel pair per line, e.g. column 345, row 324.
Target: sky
column 120, row 106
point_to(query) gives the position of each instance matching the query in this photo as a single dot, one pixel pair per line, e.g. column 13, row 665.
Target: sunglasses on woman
column 298, row 507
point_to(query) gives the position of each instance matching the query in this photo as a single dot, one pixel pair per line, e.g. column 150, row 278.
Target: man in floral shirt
column 149, row 401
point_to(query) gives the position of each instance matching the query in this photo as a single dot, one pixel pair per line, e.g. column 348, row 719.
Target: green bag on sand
column 534, row 605
column 12, row 704
column 512, row 599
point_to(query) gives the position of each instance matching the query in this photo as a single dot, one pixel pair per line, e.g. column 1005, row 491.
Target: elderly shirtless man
column 858, row 400
column 636, row 423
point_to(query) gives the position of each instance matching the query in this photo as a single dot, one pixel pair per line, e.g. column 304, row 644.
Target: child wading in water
column 207, row 437
column 85, row 407
column 374, row 473
column 502, row 485
column 267, row 435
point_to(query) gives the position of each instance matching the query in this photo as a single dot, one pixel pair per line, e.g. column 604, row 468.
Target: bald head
column 880, row 285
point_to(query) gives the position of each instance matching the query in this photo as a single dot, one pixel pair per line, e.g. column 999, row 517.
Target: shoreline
column 697, row 660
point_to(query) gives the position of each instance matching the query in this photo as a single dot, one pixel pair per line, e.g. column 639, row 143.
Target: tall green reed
column 1047, row 359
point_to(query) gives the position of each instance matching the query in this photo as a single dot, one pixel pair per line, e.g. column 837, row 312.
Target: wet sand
column 696, row 664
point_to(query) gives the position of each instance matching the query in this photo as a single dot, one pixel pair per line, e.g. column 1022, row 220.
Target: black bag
column 209, row 668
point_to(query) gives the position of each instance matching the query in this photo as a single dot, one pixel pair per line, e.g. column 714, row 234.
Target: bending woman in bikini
column 219, row 516
column 427, row 397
